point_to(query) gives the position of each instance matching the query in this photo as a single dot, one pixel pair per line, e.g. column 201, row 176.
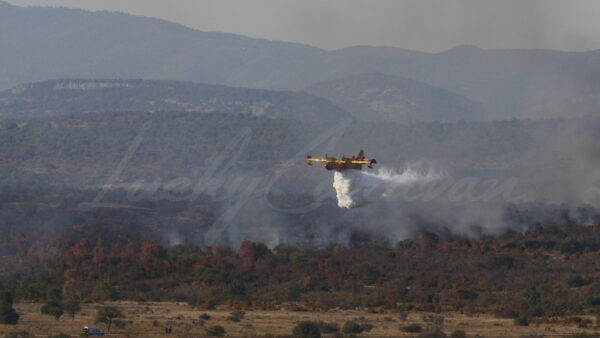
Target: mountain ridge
column 49, row 43
column 388, row 98
column 64, row 96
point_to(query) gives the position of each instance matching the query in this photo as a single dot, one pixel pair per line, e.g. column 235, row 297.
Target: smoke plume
column 355, row 188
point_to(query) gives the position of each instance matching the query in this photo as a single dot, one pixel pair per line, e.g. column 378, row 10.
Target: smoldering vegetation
column 211, row 179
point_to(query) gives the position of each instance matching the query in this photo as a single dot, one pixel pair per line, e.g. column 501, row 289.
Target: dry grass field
column 150, row 319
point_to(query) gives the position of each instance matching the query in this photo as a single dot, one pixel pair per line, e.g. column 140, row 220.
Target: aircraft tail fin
column 373, row 161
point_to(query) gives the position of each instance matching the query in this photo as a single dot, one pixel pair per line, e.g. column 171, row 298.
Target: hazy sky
column 427, row 25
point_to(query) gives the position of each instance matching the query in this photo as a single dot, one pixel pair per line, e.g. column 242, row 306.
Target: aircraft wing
column 311, row 160
column 336, row 161
column 320, row 160
column 369, row 162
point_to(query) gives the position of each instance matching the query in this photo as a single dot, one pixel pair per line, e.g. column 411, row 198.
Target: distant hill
column 38, row 44
column 41, row 43
column 387, row 98
column 76, row 96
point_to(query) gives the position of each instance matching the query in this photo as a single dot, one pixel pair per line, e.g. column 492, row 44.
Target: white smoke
column 355, row 188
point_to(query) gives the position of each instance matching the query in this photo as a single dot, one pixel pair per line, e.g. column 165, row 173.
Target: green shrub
column 236, row 316
column 499, row 261
column 505, row 313
column 215, row 331
column 328, row 327
column 306, row 329
column 575, row 281
column 412, row 328
column 571, row 247
column 291, row 294
column 52, row 308
column 237, row 288
column 8, row 315
column 369, row 274
column 353, row 326
column 467, row 294
column 522, row 321
column 209, row 304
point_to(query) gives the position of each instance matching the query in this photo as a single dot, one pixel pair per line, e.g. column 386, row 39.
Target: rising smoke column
column 355, row 188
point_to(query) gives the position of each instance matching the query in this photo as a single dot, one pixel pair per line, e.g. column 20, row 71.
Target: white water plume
column 355, row 188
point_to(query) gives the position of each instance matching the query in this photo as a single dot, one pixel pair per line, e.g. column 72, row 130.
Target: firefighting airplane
column 354, row 162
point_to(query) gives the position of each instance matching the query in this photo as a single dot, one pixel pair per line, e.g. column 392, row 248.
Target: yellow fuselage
column 342, row 165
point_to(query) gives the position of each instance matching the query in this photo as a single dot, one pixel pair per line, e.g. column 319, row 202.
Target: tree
column 52, row 308
column 53, row 294
column 77, row 254
column 8, row 315
column 306, row 329
column 98, row 254
column 215, row 331
column 521, row 321
column 72, row 307
column 104, row 290
column 247, row 255
column 352, row 326
column 250, row 253
column 152, row 259
column 236, row 316
column 107, row 314
column 237, row 288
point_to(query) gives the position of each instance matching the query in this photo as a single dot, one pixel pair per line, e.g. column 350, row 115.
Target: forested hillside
column 84, row 148
column 546, row 272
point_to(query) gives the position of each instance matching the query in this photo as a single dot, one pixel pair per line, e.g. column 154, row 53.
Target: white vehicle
column 92, row 331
